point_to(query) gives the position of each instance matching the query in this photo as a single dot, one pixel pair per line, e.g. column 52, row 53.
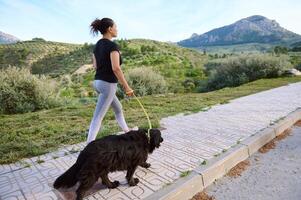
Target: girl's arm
column 94, row 61
column 118, row 72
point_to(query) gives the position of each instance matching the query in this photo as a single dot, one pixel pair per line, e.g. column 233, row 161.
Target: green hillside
column 238, row 48
column 57, row 63
column 181, row 67
column 178, row 65
column 28, row 52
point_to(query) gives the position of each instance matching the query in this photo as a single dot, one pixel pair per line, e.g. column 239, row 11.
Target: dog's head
column 155, row 139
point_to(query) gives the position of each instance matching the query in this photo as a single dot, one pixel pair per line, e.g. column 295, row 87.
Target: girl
column 106, row 61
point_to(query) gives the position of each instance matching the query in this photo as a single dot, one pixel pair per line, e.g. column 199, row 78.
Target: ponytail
column 101, row 25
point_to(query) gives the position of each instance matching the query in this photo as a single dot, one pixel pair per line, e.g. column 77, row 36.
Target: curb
column 217, row 167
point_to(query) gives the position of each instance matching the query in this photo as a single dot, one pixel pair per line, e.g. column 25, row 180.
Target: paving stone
column 15, row 195
column 8, row 187
column 20, row 164
column 202, row 153
column 4, row 169
column 164, row 170
column 6, row 178
column 28, row 176
column 137, row 192
column 151, row 180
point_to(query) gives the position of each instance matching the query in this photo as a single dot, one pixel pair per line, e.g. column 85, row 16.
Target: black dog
column 109, row 154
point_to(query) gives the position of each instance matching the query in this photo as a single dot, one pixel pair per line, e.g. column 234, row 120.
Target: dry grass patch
column 298, row 123
column 202, row 196
column 238, row 169
column 271, row 144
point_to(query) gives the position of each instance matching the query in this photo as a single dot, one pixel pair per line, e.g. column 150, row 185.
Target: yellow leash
column 149, row 122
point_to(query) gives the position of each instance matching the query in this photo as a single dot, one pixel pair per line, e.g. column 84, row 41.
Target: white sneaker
column 135, row 128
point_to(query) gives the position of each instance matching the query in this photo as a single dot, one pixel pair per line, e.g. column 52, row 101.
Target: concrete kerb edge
column 217, row 167
column 180, row 189
column 287, row 121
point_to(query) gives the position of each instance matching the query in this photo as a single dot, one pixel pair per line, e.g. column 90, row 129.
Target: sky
column 162, row 20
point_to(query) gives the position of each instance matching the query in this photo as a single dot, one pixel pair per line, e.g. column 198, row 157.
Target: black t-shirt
column 102, row 51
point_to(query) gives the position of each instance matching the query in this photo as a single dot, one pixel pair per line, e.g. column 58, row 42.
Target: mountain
column 7, row 38
column 253, row 29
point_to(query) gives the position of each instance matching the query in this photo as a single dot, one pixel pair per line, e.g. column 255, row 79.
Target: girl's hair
column 101, row 25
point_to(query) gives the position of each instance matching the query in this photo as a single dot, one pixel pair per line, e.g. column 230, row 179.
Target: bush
column 65, row 80
column 14, row 57
column 38, row 39
column 144, row 81
column 188, row 84
column 298, row 67
column 241, row 69
column 21, row 92
column 280, row 50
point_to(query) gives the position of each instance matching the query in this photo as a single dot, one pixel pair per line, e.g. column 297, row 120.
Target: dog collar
column 148, row 135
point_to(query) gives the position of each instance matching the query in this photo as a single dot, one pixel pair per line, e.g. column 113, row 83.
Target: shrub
column 241, row 69
column 65, row 80
column 14, row 57
column 189, row 85
column 21, row 92
column 280, row 50
column 298, row 67
column 144, row 81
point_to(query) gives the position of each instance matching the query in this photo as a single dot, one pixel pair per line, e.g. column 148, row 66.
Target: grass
column 40, row 161
column 204, row 162
column 32, row 134
column 216, row 155
column 185, row 173
column 73, row 151
column 25, row 164
column 166, row 185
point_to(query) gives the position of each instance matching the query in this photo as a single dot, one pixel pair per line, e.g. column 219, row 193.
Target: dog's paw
column 134, row 182
column 145, row 165
column 114, row 184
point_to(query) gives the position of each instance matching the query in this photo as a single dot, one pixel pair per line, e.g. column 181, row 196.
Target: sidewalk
column 189, row 140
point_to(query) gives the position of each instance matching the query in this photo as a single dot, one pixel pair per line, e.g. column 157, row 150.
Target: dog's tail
column 67, row 179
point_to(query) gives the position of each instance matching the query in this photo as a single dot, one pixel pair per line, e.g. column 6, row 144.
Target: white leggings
column 107, row 97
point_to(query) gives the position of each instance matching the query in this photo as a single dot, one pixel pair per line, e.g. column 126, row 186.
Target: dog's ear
column 142, row 130
column 155, row 139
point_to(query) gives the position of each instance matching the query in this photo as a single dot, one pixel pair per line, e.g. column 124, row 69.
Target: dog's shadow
column 70, row 193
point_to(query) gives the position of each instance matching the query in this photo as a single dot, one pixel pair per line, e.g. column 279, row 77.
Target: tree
column 38, row 39
column 280, row 50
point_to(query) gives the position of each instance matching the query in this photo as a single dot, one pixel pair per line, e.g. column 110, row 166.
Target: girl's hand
column 129, row 91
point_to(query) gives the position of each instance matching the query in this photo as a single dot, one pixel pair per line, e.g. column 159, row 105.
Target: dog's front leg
column 129, row 176
column 105, row 180
column 145, row 165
